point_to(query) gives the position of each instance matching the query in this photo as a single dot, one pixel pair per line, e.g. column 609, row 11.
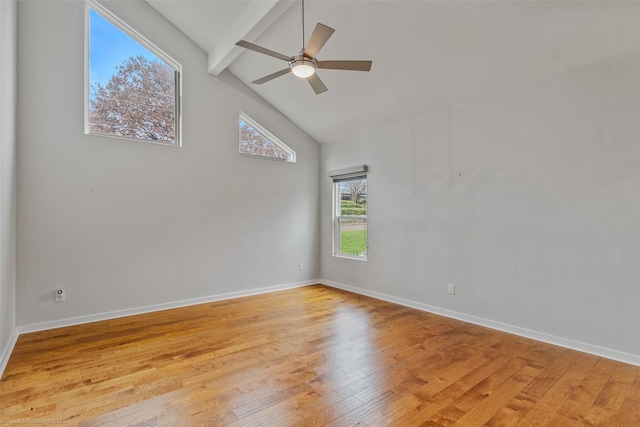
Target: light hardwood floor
column 303, row 357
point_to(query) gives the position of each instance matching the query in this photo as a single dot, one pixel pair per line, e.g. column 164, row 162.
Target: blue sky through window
column 109, row 47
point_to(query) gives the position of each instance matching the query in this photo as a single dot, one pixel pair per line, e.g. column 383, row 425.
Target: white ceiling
column 427, row 55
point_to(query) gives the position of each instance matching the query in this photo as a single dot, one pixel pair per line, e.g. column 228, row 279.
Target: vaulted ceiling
column 427, row 55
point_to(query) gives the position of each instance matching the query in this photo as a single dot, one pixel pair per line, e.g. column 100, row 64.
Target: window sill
column 354, row 257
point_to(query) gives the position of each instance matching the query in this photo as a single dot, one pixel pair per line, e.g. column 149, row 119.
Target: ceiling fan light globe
column 303, row 68
column 303, row 71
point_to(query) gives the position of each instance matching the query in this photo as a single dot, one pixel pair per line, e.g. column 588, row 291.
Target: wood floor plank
column 312, row 356
column 546, row 404
column 584, row 395
column 495, row 396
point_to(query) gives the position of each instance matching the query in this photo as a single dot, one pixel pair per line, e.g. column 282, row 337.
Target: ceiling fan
column 305, row 63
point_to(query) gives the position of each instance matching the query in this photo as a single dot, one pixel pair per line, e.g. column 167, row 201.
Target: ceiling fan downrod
column 302, row 24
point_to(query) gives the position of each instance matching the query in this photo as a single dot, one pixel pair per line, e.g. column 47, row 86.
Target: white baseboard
column 8, row 349
column 36, row 327
column 539, row 336
column 156, row 307
column 608, row 353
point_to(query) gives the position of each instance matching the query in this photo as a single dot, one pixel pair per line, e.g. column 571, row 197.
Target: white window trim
column 339, row 176
column 271, row 137
column 128, row 30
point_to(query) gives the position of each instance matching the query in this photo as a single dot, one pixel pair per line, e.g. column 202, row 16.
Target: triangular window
column 256, row 141
column 133, row 87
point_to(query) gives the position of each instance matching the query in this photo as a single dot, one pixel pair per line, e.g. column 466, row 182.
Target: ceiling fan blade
column 346, row 65
column 318, row 38
column 272, row 76
column 265, row 51
column 316, row 84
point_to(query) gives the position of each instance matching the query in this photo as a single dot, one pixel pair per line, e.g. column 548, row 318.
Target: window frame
column 144, row 42
column 268, row 135
column 337, row 217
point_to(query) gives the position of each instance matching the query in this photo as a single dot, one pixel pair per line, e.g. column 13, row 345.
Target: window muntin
column 132, row 87
column 350, row 217
column 256, row 141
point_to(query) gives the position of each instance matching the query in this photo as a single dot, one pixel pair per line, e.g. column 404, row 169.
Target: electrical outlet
column 60, row 295
column 301, row 266
column 452, row 289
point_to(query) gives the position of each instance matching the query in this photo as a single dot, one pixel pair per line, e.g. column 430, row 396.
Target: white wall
column 8, row 94
column 527, row 200
column 122, row 225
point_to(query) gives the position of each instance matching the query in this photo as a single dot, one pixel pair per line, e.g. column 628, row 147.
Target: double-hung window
column 132, row 87
column 350, row 212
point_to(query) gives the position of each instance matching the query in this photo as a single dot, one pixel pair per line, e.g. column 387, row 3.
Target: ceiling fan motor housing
column 303, row 66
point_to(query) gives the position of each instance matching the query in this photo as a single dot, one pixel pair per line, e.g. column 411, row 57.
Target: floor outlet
column 452, row 289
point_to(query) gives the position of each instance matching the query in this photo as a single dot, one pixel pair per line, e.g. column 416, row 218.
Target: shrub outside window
column 133, row 88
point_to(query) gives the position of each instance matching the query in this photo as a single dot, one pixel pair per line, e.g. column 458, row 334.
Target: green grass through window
column 353, row 242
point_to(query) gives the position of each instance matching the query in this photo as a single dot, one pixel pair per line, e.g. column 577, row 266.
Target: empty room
column 319, row 212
